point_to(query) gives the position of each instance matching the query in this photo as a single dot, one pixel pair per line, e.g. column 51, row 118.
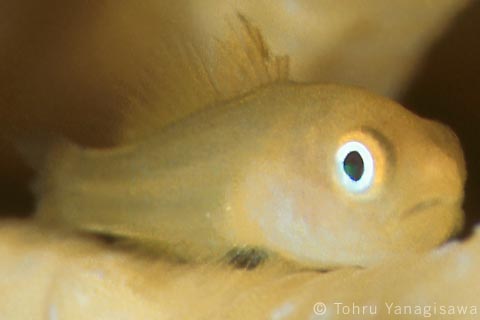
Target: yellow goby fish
column 325, row 175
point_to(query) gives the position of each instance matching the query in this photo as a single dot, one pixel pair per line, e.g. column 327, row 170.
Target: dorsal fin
column 189, row 77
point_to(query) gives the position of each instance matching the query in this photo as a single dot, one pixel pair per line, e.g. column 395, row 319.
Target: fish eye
column 355, row 166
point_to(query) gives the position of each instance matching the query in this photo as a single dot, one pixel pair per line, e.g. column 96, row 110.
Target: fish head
column 351, row 178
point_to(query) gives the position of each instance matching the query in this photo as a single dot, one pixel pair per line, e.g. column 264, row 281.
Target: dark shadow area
column 447, row 88
column 41, row 90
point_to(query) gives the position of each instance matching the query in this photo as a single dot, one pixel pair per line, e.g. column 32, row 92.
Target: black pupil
column 353, row 165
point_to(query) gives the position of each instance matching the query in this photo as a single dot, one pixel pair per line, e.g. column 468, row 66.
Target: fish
column 239, row 158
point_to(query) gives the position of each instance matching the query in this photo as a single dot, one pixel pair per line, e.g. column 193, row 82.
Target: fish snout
column 443, row 177
column 432, row 212
column 439, row 175
column 449, row 149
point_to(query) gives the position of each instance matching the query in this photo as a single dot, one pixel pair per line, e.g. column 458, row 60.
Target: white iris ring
column 368, row 175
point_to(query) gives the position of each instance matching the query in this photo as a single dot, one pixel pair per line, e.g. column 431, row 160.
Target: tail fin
column 35, row 151
column 47, row 155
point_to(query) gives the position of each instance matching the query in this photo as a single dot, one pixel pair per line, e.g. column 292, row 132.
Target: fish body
column 271, row 169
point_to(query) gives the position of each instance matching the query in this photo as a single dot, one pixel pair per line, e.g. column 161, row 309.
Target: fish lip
column 421, row 206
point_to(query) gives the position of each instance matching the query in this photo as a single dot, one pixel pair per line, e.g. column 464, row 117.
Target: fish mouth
column 422, row 206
